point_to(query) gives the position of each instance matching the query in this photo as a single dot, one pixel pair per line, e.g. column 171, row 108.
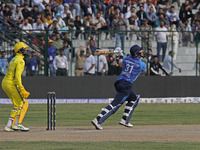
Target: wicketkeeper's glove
column 23, row 92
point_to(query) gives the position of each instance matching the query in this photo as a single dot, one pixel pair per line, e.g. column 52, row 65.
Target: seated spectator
column 186, row 12
column 169, row 62
column 32, row 64
column 186, row 36
column 60, row 64
column 79, row 26
column 98, row 4
column 138, row 4
column 151, row 16
column 3, row 63
column 160, row 11
column 87, row 23
column 196, row 29
column 141, row 14
column 171, row 2
column 38, row 3
column 110, row 15
column 148, row 6
column 26, row 13
column 72, row 4
column 80, row 61
column 173, row 18
column 35, row 13
column 69, row 21
column 89, row 66
column 51, row 56
column 64, row 13
column 19, row 3
column 164, row 4
column 61, row 23
column 92, row 44
column 197, row 15
column 46, row 12
column 127, row 9
column 17, row 16
column 48, row 21
column 38, row 26
column 132, row 25
column 57, row 5
column 99, row 23
column 159, row 19
column 155, row 66
column 26, row 26
column 86, row 6
column 7, row 12
column 58, row 43
column 117, row 3
column 54, row 28
column 146, row 40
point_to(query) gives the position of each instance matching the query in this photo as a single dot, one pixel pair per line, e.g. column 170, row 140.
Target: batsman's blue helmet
column 135, row 49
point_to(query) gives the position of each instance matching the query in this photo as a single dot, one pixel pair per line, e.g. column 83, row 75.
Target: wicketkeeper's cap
column 135, row 49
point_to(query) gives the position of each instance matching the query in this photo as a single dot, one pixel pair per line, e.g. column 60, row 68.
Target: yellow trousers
column 11, row 90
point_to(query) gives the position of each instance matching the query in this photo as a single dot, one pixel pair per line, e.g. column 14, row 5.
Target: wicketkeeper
column 12, row 85
column 132, row 67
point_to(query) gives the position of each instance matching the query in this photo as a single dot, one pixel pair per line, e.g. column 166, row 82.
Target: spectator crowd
column 91, row 17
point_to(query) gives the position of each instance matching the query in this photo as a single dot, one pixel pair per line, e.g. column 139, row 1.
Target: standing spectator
column 186, row 12
column 164, row 4
column 146, row 36
column 34, row 13
column 86, row 6
column 39, row 3
column 60, row 64
column 117, row 3
column 92, row 43
column 120, row 25
column 161, row 18
column 17, row 15
column 79, row 26
column 58, row 43
column 101, row 63
column 67, row 51
column 175, row 36
column 132, row 25
column 32, row 64
column 80, row 61
column 111, row 64
column 161, row 35
column 98, row 4
column 151, row 16
column 72, row 4
column 3, row 63
column 155, row 66
column 38, row 26
column 186, row 36
column 169, row 62
column 141, row 14
column 148, row 6
column 173, row 18
column 196, row 30
column 89, row 66
column 51, row 56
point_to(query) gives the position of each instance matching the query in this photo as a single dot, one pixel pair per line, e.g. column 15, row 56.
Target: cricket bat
column 104, row 51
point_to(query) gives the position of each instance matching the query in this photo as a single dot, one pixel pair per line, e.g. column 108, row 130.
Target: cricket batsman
column 132, row 67
column 12, row 86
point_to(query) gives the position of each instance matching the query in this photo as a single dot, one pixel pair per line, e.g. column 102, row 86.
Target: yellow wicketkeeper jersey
column 15, row 69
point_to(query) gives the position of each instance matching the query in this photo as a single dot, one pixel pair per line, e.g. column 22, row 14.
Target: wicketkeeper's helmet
column 20, row 46
column 135, row 49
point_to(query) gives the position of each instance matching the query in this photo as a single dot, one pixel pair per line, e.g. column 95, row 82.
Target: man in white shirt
column 161, row 38
column 26, row 26
column 60, row 64
column 38, row 26
column 168, row 63
column 101, row 63
column 89, row 66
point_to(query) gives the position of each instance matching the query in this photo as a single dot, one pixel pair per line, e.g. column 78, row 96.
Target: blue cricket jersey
column 132, row 67
column 51, row 54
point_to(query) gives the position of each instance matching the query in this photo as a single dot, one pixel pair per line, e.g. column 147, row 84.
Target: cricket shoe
column 96, row 124
column 8, row 129
column 20, row 127
column 123, row 122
